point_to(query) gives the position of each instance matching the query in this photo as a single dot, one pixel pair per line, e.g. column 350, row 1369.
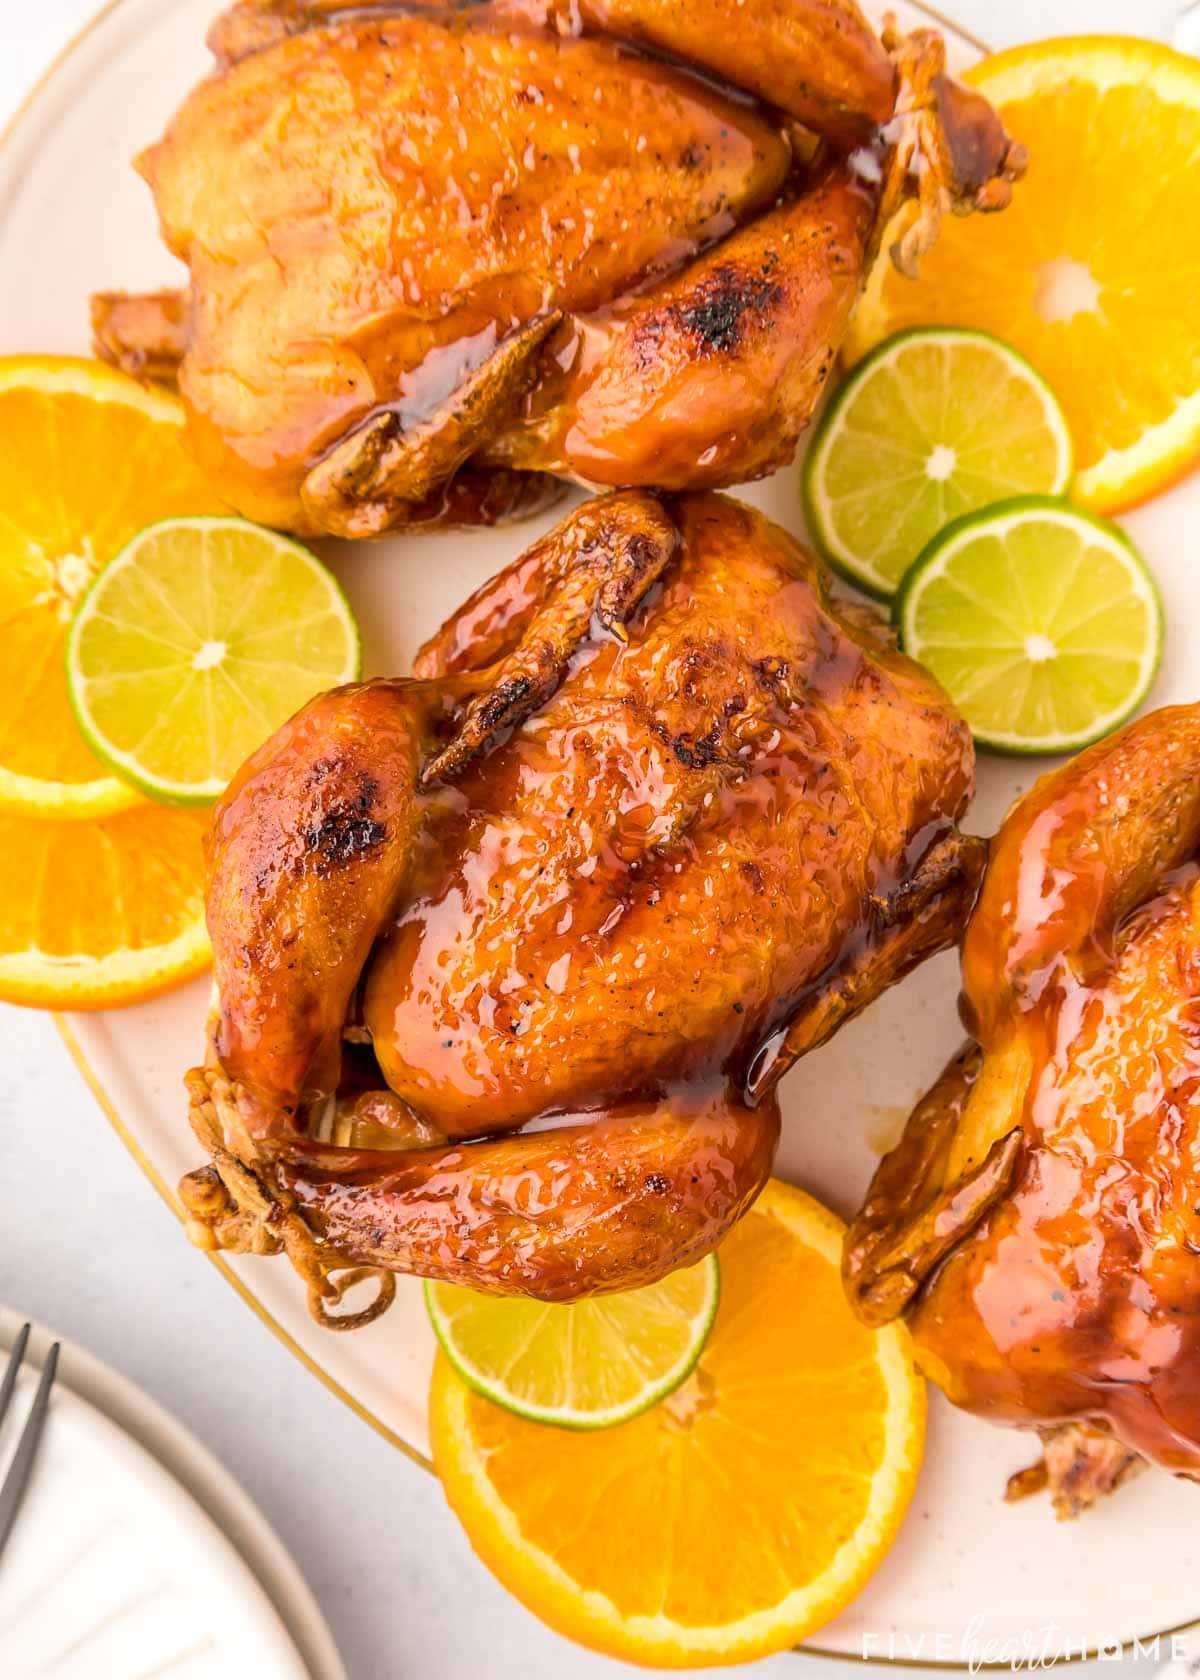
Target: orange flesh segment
column 1093, row 272
column 796, row 1441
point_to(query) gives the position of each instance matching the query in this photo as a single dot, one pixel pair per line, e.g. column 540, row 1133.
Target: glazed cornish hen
column 438, row 254
column 511, row 955
column 1040, row 1220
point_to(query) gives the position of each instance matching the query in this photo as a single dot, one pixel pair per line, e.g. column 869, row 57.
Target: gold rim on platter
column 92, row 1081
column 108, row 1108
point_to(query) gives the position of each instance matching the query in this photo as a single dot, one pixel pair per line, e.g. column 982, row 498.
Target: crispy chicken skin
column 1040, row 1220
column 549, row 919
column 522, row 238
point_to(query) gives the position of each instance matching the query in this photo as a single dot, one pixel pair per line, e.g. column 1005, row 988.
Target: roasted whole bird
column 440, row 252
column 533, row 934
column 1039, row 1222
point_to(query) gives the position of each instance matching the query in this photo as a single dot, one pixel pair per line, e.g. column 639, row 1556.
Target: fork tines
column 12, row 1490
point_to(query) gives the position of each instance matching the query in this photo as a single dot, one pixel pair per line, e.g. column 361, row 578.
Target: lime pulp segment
column 583, row 1364
column 934, row 424
column 195, row 643
column 1041, row 622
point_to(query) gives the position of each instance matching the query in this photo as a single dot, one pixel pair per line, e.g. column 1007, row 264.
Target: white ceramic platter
column 968, row 1570
column 123, row 1559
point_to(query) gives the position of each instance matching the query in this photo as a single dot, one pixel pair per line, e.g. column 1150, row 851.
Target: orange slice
column 737, row 1515
column 104, row 912
column 1093, row 273
column 89, row 458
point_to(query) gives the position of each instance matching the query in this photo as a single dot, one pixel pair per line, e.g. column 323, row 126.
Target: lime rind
column 1093, row 621
column 560, row 1414
column 929, row 505
column 162, row 683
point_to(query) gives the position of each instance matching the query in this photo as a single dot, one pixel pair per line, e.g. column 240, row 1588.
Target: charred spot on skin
column 728, row 301
column 657, row 1183
column 693, row 753
column 641, row 550
column 498, row 708
column 773, row 675
column 346, row 829
column 697, row 752
column 725, row 305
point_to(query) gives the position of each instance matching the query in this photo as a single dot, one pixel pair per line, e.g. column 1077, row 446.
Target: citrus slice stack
column 932, row 425
column 1093, row 272
column 101, row 896
column 583, row 1364
column 195, row 644
column 90, row 457
column 738, row 1514
column 151, row 644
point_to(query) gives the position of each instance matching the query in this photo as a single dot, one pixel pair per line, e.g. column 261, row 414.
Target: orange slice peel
column 739, row 1514
column 1093, row 272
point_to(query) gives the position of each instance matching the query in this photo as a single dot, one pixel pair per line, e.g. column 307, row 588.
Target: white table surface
column 87, row 1247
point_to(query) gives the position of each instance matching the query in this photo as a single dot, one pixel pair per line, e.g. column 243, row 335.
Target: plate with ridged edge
column 134, row 1553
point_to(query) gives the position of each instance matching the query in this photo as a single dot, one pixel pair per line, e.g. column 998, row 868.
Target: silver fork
column 12, row 1490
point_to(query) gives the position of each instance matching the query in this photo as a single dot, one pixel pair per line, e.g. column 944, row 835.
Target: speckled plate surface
column 967, row 1571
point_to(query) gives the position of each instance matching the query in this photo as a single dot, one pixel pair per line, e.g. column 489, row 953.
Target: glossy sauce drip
column 636, row 889
column 422, row 183
column 639, row 795
column 1079, row 1295
column 609, row 1203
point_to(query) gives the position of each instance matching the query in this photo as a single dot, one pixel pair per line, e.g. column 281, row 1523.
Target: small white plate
column 970, row 1578
column 135, row 1553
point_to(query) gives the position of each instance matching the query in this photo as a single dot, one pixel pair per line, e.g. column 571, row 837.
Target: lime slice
column 586, row 1364
column 195, row 643
column 937, row 422
column 1041, row 622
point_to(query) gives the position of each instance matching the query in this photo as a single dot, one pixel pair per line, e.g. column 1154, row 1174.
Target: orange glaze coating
column 420, row 186
column 648, row 798
column 1077, row 1294
column 434, row 241
column 344, row 770
column 683, row 384
column 638, row 887
column 612, row 1203
column 818, row 60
